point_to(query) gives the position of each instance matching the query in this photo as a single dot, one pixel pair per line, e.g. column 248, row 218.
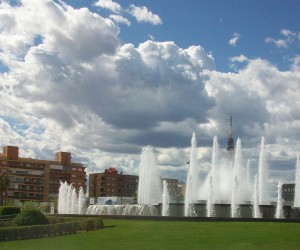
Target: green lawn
column 136, row 234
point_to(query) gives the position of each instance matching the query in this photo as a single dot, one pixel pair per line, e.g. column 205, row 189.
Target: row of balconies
column 26, row 166
column 27, row 190
column 25, row 195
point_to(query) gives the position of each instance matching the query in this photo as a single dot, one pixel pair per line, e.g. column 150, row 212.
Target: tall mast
column 230, row 141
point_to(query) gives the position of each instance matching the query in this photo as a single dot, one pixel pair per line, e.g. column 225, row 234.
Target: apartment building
column 111, row 183
column 38, row 180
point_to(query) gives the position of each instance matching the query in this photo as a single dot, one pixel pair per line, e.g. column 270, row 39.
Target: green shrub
column 98, row 223
column 5, row 223
column 9, row 210
column 30, row 217
column 67, row 226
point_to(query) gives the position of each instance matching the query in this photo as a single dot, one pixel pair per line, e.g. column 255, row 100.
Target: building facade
column 38, row 180
column 288, row 193
column 111, row 183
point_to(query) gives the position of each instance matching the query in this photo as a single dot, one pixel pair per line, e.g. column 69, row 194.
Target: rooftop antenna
column 230, row 141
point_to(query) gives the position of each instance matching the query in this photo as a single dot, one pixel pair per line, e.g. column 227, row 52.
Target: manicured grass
column 138, row 234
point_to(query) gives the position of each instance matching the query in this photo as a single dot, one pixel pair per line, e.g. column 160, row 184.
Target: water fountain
column 165, row 200
column 149, row 191
column 215, row 164
column 81, row 201
column 279, row 206
column 255, row 208
column 248, row 176
column 149, row 188
column 210, row 208
column 68, row 200
column 262, row 175
column 235, row 210
column 226, row 192
column 192, row 180
column 238, row 175
column 132, row 210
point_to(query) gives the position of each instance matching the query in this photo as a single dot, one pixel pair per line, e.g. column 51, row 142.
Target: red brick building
column 38, row 180
column 111, row 183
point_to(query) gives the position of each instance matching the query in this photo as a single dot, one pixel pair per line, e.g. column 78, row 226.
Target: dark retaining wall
column 224, row 210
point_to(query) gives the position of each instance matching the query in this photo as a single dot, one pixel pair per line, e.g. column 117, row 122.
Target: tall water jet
column 74, row 204
column 69, row 199
column 81, row 201
column 235, row 208
column 297, row 184
column 192, row 179
column 210, row 211
column 248, row 174
column 215, row 166
column 279, row 206
column 262, row 174
column 149, row 188
column 165, row 200
column 255, row 203
column 237, row 169
column 62, row 194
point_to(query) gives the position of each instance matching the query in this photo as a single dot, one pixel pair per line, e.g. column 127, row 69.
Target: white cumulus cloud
column 110, row 5
column 142, row 14
column 233, row 41
column 288, row 38
column 120, row 19
column 67, row 79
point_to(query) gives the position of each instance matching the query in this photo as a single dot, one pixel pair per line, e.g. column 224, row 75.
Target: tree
column 4, row 184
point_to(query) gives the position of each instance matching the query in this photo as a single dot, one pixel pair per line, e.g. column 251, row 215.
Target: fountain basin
column 132, row 210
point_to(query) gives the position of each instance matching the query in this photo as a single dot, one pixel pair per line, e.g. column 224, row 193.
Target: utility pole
column 230, row 141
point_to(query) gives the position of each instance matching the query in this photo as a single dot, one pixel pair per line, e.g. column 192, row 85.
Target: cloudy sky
column 102, row 79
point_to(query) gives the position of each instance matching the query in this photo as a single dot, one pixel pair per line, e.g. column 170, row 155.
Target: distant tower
column 230, row 141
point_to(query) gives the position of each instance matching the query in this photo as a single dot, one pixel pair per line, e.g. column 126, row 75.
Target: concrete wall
column 224, row 210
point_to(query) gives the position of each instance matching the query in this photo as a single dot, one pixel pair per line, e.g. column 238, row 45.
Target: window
column 21, row 172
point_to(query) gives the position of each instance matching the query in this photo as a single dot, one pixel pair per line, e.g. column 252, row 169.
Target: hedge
column 30, row 217
column 9, row 210
column 39, row 231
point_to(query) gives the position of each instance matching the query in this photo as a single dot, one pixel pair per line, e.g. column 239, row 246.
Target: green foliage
column 58, row 226
column 30, row 217
column 8, row 210
column 30, row 205
column 92, row 224
column 5, row 223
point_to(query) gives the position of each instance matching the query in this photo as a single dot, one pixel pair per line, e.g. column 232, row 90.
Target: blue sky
column 212, row 24
column 103, row 79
